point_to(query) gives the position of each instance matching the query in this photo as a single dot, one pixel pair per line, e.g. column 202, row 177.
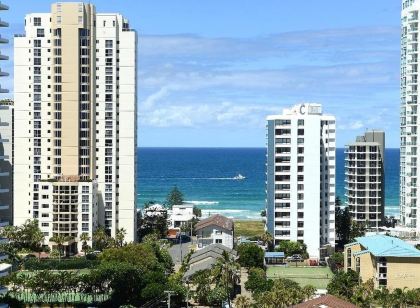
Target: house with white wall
column 216, row 229
column 181, row 214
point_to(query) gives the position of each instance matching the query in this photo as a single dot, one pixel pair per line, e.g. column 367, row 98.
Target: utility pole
column 169, row 297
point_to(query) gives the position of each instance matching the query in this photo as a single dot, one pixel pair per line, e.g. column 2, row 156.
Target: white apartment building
column 75, row 116
column 300, row 204
column 409, row 201
column 6, row 162
column 365, row 179
column 6, row 142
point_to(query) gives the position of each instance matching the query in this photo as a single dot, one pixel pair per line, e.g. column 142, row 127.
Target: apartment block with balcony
column 300, row 187
column 75, row 114
column 409, row 107
column 389, row 261
column 365, row 179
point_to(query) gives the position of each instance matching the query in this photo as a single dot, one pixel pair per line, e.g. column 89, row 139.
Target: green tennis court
column 319, row 277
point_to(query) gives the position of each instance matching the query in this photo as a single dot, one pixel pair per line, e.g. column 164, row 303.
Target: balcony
column 4, row 207
column 5, row 269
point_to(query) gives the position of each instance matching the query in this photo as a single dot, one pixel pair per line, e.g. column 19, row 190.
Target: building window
column 37, row 21
column 40, row 32
column 358, row 265
column 348, row 257
column 218, row 241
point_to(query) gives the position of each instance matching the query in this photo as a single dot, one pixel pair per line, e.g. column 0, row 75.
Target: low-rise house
column 205, row 258
column 181, row 214
column 391, row 262
column 216, row 229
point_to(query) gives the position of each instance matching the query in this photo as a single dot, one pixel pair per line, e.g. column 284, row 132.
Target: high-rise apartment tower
column 300, row 203
column 365, row 179
column 6, row 143
column 409, row 185
column 75, row 115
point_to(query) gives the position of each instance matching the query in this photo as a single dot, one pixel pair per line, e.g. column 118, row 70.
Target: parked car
column 295, row 258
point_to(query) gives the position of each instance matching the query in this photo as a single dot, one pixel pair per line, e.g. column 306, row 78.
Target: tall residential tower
column 300, row 203
column 75, row 115
column 365, row 179
column 409, row 201
column 6, row 143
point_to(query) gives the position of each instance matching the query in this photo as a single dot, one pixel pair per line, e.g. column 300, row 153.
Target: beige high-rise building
column 75, row 115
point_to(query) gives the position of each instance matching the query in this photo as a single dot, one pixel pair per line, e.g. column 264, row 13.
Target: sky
column 210, row 71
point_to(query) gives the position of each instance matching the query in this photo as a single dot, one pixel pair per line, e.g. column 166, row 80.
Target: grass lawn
column 319, row 277
column 249, row 227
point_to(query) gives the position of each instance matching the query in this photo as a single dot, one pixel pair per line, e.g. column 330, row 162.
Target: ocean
column 206, row 177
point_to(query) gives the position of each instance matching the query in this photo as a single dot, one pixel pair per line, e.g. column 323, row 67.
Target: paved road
column 176, row 250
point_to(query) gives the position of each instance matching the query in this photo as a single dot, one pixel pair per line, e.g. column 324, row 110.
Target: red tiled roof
column 326, row 301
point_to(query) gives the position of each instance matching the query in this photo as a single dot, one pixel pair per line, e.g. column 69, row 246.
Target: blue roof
column 386, row 246
column 275, row 254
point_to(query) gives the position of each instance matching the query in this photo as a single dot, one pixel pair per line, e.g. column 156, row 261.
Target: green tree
column 257, row 281
column 363, row 294
column 196, row 211
column 154, row 224
column 226, row 274
column 175, row 197
column 268, row 240
column 242, row 301
column 343, row 284
column 202, row 282
column 101, row 240
column 84, row 238
column 291, row 247
column 284, row 293
column 250, row 255
column 336, row 261
column 59, row 240
column 356, row 230
column 342, row 223
column 119, row 237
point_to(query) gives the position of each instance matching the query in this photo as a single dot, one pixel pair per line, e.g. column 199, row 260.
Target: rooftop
column 386, row 246
column 326, row 301
column 215, row 220
column 275, row 254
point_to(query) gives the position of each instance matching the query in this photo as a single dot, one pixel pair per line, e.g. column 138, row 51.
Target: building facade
column 75, row 115
column 180, row 215
column 6, row 143
column 409, row 201
column 6, row 161
column 300, row 203
column 365, row 179
column 216, row 229
column 389, row 261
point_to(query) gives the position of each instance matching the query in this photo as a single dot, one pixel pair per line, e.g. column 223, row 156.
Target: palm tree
column 267, row 239
column 59, row 239
column 242, row 301
column 225, row 273
column 84, row 238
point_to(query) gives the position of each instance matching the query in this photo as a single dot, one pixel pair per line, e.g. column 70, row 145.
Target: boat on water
column 239, row 177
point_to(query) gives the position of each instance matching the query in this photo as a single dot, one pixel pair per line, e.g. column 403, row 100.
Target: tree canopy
column 175, row 197
column 250, row 255
column 291, row 247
